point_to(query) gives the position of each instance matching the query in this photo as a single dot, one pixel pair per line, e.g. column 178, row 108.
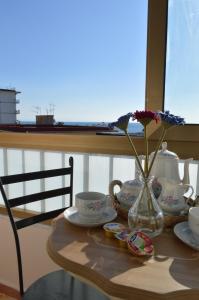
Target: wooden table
column 172, row 273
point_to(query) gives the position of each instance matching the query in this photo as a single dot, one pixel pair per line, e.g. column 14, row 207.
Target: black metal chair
column 58, row 285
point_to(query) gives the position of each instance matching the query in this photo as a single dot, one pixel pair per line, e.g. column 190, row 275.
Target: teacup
column 90, row 204
column 193, row 220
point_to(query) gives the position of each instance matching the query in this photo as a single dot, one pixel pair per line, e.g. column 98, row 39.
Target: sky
column 182, row 71
column 86, row 57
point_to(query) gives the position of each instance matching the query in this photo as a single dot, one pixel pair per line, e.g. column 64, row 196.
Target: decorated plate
column 72, row 215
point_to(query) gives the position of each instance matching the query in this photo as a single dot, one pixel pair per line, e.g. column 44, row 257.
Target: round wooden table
column 172, row 273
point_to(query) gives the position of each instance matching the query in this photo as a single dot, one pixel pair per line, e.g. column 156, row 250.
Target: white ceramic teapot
column 129, row 191
column 166, row 165
column 172, row 199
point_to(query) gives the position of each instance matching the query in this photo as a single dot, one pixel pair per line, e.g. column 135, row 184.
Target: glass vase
column 145, row 214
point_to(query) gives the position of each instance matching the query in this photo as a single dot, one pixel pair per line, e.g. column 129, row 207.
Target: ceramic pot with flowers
column 166, row 175
column 171, row 199
column 166, row 165
column 127, row 194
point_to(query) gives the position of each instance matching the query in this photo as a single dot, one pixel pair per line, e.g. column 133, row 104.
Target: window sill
column 100, row 144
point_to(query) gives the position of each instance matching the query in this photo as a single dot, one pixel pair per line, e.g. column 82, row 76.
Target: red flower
column 145, row 116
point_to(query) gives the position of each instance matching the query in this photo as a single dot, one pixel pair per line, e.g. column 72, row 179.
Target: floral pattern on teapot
column 172, row 198
column 128, row 193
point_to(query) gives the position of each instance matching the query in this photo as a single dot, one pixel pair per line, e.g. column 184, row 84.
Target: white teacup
column 193, row 219
column 90, row 204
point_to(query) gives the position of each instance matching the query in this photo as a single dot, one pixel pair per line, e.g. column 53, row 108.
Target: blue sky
column 182, row 78
column 85, row 56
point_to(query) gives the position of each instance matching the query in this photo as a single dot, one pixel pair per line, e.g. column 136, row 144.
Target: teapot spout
column 186, row 179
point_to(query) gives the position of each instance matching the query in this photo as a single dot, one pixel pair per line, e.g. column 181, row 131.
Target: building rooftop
column 10, row 90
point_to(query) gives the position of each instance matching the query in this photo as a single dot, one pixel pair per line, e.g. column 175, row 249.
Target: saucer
column 72, row 215
column 184, row 233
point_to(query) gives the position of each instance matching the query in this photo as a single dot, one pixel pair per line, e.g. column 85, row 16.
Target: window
column 182, row 64
column 86, row 57
column 183, row 140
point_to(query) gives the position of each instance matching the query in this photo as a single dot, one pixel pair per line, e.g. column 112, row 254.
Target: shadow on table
column 90, row 248
column 186, row 270
column 108, row 257
column 184, row 267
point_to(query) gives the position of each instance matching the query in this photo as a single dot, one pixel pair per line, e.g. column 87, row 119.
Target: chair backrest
column 39, row 217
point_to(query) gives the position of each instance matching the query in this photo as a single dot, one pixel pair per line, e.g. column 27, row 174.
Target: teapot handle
column 111, row 188
column 189, row 200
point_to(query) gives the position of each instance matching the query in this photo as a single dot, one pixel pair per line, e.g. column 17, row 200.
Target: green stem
column 150, row 206
column 156, row 151
column 146, row 151
column 136, row 154
column 149, row 202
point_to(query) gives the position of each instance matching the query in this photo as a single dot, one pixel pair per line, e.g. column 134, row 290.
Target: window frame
column 182, row 139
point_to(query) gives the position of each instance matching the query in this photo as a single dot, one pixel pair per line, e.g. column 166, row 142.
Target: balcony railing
column 91, row 172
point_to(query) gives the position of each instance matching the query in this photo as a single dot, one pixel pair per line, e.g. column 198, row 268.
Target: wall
column 7, row 107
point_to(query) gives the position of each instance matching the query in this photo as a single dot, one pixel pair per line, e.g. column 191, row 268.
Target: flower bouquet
column 145, row 214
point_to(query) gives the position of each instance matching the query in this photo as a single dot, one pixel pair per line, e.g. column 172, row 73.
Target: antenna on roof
column 52, row 108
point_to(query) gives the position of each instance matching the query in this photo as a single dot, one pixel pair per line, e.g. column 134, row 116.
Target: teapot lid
column 133, row 184
column 164, row 153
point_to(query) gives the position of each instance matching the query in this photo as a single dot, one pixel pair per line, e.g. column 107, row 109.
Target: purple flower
column 122, row 122
column 170, row 120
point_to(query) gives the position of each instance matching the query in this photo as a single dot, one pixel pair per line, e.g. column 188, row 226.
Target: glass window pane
column 182, row 65
column 87, row 57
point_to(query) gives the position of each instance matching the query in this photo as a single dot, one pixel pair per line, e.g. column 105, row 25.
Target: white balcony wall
column 91, row 172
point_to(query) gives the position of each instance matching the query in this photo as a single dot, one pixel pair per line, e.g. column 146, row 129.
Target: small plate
column 184, row 233
column 72, row 215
